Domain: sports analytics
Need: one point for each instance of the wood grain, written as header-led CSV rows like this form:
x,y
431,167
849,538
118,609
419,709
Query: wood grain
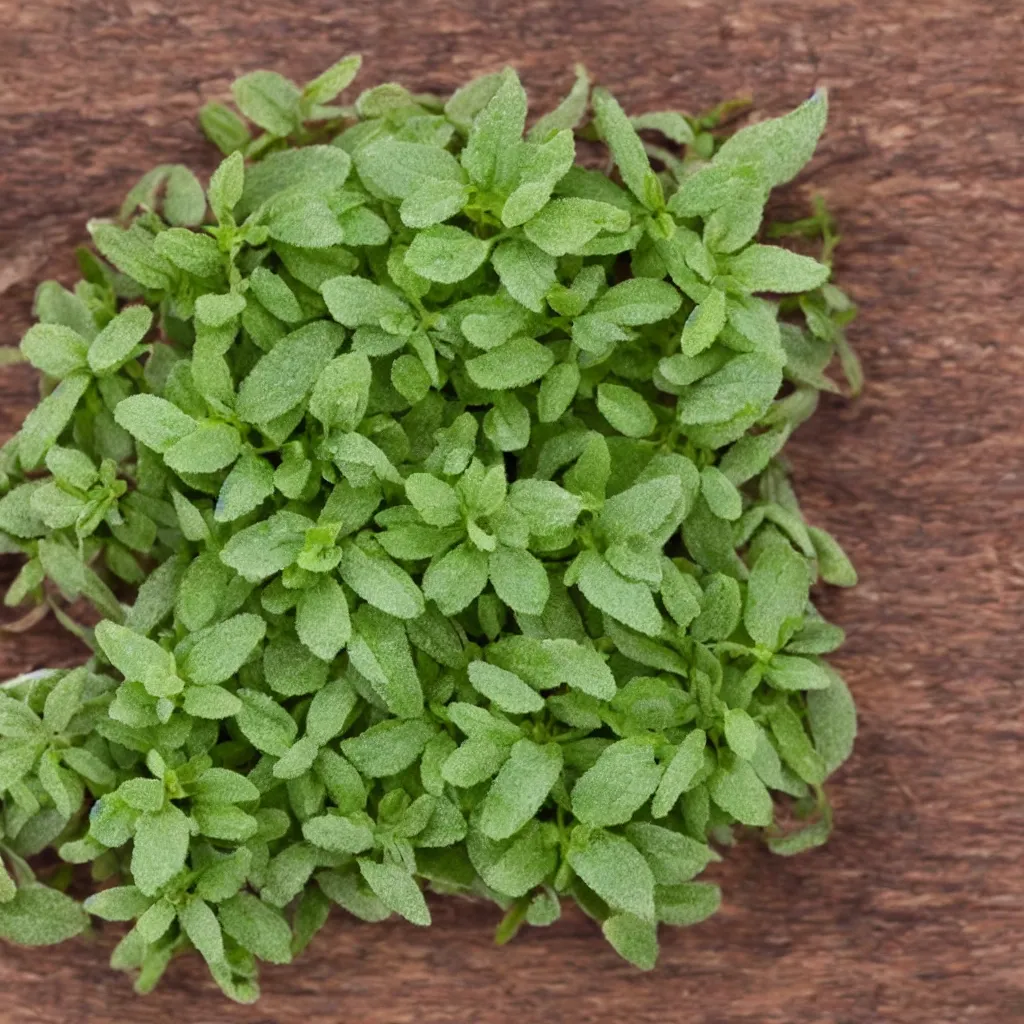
x,y
915,910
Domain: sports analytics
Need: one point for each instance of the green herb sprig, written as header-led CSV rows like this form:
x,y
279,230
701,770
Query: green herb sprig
x,y
427,485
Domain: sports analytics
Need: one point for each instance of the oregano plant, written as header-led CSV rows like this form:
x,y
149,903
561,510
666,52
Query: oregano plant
x,y
418,488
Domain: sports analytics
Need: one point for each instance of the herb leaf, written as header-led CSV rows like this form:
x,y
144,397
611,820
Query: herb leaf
x,y
430,491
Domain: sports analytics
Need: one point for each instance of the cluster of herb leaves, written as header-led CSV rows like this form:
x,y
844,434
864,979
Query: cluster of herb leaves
x,y
428,486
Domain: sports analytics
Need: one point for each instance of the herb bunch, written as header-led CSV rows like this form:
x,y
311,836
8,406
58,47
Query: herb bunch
x,y
427,485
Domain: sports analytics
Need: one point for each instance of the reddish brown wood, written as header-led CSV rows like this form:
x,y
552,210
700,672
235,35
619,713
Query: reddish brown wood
x,y
915,910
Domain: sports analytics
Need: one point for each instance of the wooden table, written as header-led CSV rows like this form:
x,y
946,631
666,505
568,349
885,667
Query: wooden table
x,y
915,910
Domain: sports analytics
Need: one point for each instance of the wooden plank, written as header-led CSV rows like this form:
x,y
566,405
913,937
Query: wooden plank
x,y
914,910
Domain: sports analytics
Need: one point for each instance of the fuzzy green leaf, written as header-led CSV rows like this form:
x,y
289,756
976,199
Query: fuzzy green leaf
x,y
615,870
520,789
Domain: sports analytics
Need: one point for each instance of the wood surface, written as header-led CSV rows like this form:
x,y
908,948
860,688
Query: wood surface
x,y
914,912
